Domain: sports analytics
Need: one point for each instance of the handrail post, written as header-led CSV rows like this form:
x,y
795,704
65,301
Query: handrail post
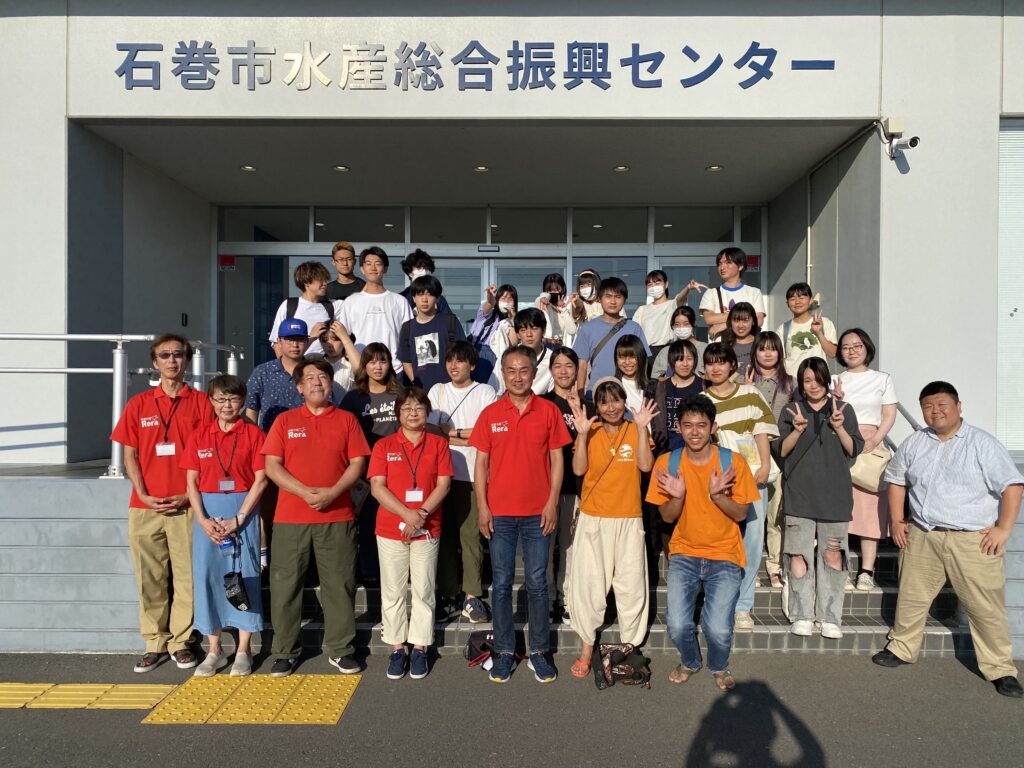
x,y
199,370
232,364
119,398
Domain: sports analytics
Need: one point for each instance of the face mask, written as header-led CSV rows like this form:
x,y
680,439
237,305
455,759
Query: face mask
x,y
683,333
505,306
418,273
656,291
587,292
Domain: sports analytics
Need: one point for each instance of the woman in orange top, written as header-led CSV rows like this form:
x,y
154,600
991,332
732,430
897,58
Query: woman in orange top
x,y
608,546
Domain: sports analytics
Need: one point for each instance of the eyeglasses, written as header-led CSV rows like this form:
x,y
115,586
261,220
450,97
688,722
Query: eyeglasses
x,y
176,354
851,347
412,409
234,400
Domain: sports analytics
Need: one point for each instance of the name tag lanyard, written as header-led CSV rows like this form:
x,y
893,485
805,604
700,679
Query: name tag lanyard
x,y
165,448
415,494
228,483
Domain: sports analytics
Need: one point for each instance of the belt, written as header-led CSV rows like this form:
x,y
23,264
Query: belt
x,y
942,529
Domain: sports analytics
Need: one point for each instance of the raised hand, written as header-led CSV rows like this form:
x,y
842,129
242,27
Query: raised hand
x,y
693,285
816,325
837,388
339,330
721,483
317,329
748,375
491,294
579,417
643,417
673,485
837,419
799,420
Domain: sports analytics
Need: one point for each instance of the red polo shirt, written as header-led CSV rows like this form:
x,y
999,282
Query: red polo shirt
x,y
394,458
519,476
211,451
152,417
316,450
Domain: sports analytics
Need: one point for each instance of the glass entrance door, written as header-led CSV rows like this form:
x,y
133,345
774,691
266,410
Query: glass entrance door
x,y
681,270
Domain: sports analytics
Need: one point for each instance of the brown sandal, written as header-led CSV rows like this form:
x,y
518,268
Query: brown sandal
x,y
580,668
681,674
724,680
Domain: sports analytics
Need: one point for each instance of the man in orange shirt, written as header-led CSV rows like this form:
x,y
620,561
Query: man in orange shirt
x,y
154,429
706,548
314,454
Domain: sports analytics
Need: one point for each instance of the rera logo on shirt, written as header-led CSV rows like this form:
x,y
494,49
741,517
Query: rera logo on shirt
x,y
394,456
149,421
499,426
204,453
296,432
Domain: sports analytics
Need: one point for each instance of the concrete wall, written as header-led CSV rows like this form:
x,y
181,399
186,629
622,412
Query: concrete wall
x,y
787,246
33,272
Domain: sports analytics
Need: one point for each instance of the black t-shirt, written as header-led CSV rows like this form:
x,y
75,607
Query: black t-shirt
x,y
375,413
570,482
336,290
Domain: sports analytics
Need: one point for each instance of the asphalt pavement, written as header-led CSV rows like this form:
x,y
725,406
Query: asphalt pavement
x,y
787,710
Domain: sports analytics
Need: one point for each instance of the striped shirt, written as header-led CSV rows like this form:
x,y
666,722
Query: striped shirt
x,y
956,483
741,416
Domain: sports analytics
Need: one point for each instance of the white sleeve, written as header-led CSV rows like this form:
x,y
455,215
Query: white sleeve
x,y
889,391
709,301
278,319
830,330
434,396
758,302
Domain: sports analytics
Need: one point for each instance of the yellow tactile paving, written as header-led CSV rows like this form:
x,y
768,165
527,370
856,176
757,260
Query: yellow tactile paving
x,y
133,697
17,695
69,696
320,700
195,702
258,700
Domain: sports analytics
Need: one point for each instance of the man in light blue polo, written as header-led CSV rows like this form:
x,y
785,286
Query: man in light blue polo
x,y
965,494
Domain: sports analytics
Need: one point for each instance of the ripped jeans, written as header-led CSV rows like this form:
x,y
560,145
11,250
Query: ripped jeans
x,y
819,593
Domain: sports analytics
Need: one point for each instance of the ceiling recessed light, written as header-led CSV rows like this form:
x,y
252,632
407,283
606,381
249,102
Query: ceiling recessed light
x,y
598,226
389,226
494,226
667,226
248,168
320,224
620,168
341,168
713,168
481,168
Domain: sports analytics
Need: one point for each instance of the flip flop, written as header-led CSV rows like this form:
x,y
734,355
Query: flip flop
x,y
681,674
724,680
580,668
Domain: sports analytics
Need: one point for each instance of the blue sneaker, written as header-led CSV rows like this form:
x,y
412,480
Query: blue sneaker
x,y
475,611
418,667
543,670
397,662
504,663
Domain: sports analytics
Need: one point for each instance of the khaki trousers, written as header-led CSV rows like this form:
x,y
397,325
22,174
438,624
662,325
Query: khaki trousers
x,y
773,527
608,553
977,579
161,545
401,564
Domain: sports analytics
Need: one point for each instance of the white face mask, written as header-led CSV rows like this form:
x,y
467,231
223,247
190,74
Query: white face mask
x,y
656,291
506,306
587,292
683,333
418,273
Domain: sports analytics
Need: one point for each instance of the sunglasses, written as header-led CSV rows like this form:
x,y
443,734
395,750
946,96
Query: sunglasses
x,y
177,355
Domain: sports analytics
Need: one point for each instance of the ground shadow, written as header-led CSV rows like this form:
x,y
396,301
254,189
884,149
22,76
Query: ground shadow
x,y
745,724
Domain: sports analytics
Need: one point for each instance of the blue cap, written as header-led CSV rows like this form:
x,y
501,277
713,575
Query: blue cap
x,y
292,327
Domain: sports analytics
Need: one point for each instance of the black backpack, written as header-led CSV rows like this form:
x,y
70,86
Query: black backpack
x,y
292,306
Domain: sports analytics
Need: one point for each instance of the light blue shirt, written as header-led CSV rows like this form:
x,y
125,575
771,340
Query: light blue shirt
x,y
957,483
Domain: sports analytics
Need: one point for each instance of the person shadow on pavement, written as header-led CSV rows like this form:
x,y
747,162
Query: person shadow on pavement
x,y
750,726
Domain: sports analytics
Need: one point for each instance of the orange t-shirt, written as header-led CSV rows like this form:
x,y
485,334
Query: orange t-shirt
x,y
703,530
611,487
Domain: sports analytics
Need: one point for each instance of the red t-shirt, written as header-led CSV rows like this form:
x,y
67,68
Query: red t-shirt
x,y
394,458
519,476
210,451
316,450
152,417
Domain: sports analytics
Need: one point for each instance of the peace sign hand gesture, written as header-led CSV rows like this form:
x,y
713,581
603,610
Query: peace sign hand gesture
x,y
816,324
748,374
643,417
799,420
837,419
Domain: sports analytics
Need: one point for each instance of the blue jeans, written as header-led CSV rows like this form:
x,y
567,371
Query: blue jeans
x,y
507,532
721,582
753,543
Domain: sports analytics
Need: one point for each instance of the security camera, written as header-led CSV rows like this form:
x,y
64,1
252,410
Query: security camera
x,y
901,144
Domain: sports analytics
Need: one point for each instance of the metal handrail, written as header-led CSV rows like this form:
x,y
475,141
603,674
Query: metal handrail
x,y
121,374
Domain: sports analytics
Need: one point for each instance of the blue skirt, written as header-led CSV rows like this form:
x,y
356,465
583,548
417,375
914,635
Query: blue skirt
x,y
209,564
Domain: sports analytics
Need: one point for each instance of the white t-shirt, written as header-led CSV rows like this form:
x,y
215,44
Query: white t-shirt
x,y
732,297
311,312
461,407
656,320
374,317
343,376
634,397
542,382
802,343
867,392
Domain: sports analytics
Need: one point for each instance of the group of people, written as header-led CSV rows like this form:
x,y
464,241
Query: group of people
x,y
388,445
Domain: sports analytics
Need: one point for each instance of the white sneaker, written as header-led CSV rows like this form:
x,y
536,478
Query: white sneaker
x,y
803,628
743,620
865,582
211,664
242,665
849,586
831,631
